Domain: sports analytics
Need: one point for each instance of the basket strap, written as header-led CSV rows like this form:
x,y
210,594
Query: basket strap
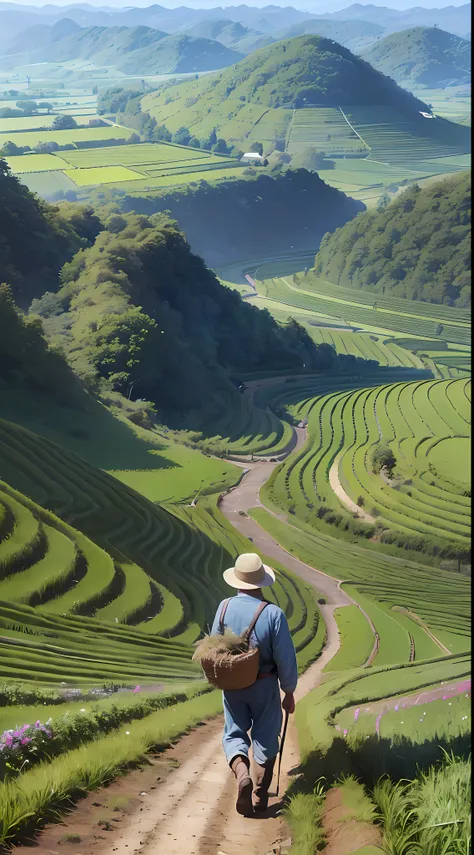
x,y
220,628
248,632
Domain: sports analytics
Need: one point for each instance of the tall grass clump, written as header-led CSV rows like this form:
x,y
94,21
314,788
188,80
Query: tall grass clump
x,y
304,815
430,815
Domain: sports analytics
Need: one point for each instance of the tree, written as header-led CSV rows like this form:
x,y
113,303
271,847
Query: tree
x,y
64,123
221,147
161,133
181,136
210,141
27,106
10,149
383,202
45,105
383,458
133,139
194,142
257,147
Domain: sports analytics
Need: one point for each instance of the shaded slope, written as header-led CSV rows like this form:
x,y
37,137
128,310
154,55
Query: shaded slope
x,y
132,50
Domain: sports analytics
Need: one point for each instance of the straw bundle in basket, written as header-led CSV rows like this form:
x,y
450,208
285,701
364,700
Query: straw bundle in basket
x,y
227,660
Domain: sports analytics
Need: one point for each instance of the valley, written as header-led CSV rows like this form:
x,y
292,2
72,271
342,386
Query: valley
x,y
204,354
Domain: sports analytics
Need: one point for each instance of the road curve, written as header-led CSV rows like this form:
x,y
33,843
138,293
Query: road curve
x,y
235,504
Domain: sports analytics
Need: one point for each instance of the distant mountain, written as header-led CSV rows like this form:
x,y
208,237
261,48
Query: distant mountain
x,y
133,50
43,34
455,19
425,56
232,34
353,34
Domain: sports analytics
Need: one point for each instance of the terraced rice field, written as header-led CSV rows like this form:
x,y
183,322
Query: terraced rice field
x,y
367,310
413,418
324,129
119,559
394,139
365,346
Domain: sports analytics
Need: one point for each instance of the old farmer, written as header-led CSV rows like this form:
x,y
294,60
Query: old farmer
x,y
257,709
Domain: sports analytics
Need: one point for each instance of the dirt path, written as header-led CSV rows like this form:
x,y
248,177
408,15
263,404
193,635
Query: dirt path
x,y
341,494
191,811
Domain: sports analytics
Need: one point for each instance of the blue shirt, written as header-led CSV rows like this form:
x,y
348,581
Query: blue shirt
x,y
271,634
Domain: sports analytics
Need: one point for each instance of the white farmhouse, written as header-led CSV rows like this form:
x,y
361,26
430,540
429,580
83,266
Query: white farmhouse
x,y
251,155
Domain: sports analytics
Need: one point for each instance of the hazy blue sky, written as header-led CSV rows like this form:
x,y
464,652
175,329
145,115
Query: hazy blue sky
x,y
314,6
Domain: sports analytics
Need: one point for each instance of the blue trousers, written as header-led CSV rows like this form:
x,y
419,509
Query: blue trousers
x,y
257,710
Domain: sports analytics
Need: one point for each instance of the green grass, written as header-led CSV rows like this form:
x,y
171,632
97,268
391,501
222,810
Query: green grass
x,y
76,135
101,175
25,163
356,636
435,720
182,479
316,712
38,795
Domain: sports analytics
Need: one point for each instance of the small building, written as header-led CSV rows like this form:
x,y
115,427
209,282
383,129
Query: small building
x,y
251,155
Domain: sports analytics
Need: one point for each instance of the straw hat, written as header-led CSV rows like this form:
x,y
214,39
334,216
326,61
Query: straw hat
x,y
249,573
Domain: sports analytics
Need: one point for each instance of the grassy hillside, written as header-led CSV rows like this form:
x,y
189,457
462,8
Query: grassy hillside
x,y
416,247
423,56
132,50
293,73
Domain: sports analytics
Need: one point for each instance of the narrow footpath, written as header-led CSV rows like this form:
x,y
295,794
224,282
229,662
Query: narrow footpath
x,y
193,810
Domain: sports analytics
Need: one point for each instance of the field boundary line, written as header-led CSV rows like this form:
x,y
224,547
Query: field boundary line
x,y
290,128
353,128
417,619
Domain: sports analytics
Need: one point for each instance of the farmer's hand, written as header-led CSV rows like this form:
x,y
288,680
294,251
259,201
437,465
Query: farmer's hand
x,y
288,703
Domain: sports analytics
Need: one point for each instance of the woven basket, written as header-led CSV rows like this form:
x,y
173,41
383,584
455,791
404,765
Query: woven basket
x,y
233,672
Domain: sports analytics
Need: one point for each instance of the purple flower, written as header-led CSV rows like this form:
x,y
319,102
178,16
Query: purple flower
x,y
377,724
356,713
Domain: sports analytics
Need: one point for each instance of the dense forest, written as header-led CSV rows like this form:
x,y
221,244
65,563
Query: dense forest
x,y
36,239
249,218
418,246
131,307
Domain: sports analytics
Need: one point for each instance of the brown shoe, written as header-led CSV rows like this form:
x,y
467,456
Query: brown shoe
x,y
241,768
263,779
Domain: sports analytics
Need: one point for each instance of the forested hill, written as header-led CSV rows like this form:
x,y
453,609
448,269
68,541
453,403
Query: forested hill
x,y
36,239
424,56
418,247
133,308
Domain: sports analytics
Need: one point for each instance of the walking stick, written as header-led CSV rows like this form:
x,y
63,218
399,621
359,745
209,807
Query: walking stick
x,y
282,743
